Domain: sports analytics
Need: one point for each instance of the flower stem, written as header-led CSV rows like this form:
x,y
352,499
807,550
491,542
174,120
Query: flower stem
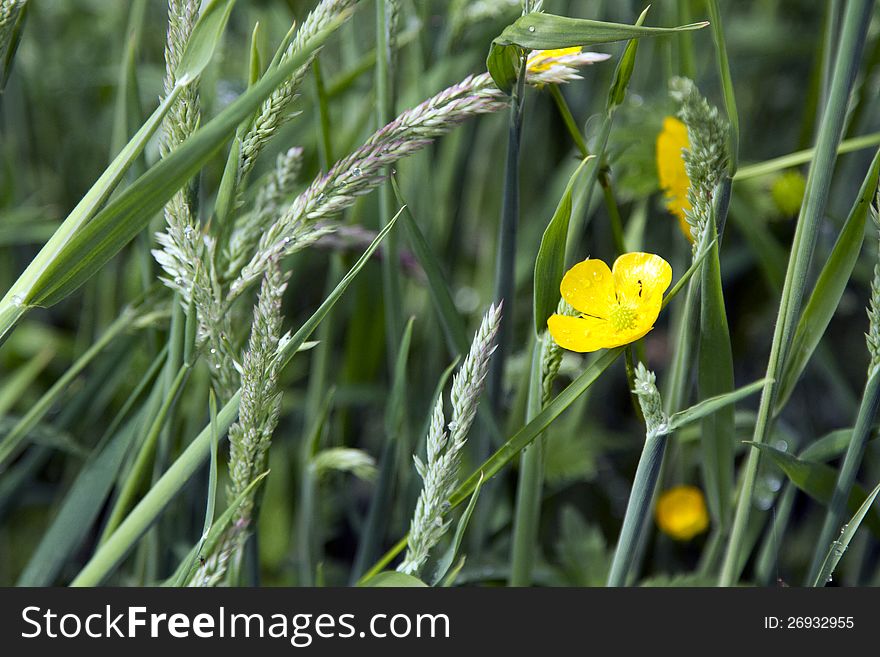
x,y
637,508
529,485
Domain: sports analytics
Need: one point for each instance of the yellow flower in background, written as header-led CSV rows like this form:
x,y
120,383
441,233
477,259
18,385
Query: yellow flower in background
x,y
674,182
788,192
617,306
543,60
681,512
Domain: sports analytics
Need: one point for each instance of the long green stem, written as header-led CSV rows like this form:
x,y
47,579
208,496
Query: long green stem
x,y
505,260
530,484
144,459
802,157
726,82
637,508
852,42
390,250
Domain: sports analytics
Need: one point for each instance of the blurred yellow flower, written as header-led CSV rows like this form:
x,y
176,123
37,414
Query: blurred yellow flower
x,y
617,306
681,512
674,182
788,192
543,60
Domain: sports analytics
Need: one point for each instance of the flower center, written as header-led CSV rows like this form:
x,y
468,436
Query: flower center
x,y
623,318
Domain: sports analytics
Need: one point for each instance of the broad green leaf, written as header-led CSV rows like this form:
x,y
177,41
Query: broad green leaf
x,y
818,480
839,546
829,288
445,562
709,406
829,446
550,262
503,64
541,31
392,579
204,39
715,377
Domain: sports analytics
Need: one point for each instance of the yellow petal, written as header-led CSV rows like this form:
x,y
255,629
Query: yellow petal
x,y
580,334
589,288
671,172
640,279
681,512
542,60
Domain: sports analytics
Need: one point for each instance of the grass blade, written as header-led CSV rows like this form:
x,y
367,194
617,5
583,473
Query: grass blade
x,y
829,288
172,481
839,545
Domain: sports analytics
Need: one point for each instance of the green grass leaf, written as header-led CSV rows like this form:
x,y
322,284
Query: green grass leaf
x,y
839,545
77,252
550,262
542,31
715,377
712,405
445,562
204,39
830,286
818,481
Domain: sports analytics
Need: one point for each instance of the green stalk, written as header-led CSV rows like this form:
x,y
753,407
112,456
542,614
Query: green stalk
x,y
852,41
505,261
391,286
506,254
802,157
144,460
637,508
613,212
726,83
687,58
680,371
837,508
568,119
530,484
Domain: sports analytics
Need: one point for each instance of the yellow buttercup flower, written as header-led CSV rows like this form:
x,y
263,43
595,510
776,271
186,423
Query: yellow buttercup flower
x,y
543,60
674,181
788,192
681,512
617,306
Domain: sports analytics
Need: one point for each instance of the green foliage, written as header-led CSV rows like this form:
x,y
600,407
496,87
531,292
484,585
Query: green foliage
x,y
119,384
